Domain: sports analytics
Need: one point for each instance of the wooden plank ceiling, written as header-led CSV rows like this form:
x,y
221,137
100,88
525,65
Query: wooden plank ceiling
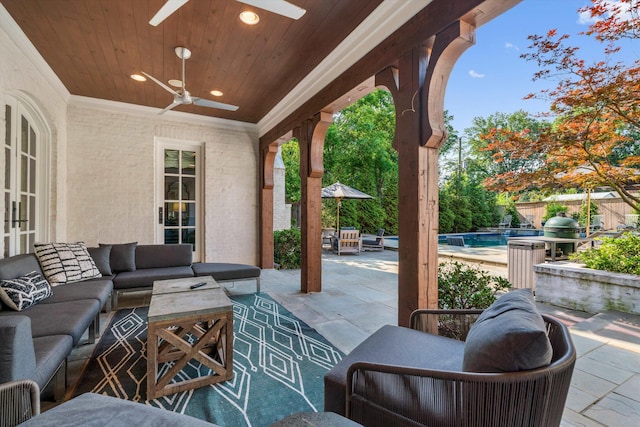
x,y
94,46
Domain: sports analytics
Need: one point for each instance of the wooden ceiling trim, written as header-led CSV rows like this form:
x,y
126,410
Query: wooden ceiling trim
x,y
433,18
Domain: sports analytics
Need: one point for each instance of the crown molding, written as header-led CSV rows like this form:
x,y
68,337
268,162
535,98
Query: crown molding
x,y
152,113
387,18
23,44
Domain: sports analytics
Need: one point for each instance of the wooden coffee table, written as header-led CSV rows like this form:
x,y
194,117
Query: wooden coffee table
x,y
178,314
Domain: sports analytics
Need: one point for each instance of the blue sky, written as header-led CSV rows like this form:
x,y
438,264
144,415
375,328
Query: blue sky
x,y
491,77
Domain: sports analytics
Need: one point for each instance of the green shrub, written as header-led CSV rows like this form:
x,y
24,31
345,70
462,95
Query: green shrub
x,y
287,248
462,286
553,209
618,255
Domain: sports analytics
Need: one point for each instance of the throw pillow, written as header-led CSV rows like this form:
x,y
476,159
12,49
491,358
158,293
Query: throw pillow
x,y
101,256
123,256
65,262
509,336
23,292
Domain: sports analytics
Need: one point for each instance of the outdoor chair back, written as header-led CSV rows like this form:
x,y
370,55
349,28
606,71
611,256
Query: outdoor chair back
x,y
506,221
348,241
376,244
380,394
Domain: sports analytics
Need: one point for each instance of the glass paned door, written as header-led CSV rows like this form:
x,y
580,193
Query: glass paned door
x,y
178,212
21,182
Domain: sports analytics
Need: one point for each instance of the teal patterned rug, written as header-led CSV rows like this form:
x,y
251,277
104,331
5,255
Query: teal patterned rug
x,y
279,364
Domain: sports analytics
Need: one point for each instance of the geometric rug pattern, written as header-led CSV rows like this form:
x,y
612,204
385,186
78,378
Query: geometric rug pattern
x,y
279,364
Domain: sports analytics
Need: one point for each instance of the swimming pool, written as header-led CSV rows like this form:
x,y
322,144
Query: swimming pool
x,y
482,239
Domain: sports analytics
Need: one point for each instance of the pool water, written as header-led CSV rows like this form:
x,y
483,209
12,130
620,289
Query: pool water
x,y
482,239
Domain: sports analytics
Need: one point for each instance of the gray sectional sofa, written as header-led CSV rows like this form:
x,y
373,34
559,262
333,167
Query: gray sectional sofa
x,y
35,342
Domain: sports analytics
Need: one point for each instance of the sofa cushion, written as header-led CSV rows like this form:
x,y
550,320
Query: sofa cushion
x,y
63,318
18,265
122,257
509,336
23,292
98,289
392,345
101,256
156,256
146,277
225,271
94,410
50,351
65,262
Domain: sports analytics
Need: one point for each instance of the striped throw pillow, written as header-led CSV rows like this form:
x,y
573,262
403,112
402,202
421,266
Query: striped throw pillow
x,y
65,262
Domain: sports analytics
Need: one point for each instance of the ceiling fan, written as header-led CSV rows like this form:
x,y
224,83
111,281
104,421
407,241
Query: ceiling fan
x,y
281,7
182,96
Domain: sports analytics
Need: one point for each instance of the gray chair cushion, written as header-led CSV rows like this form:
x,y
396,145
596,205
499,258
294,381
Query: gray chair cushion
x,y
101,257
225,271
94,410
145,277
62,318
509,336
157,256
17,356
50,352
122,257
392,345
98,289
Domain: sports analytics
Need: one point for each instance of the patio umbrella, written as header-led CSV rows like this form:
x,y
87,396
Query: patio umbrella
x,y
340,191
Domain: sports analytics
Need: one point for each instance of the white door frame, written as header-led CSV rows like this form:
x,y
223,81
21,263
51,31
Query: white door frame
x,y
23,106
162,144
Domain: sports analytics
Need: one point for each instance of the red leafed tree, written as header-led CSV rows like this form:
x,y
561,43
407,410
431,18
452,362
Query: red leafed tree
x,y
594,138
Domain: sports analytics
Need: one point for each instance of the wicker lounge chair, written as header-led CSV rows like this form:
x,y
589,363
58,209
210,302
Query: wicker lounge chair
x,y
406,377
506,221
376,244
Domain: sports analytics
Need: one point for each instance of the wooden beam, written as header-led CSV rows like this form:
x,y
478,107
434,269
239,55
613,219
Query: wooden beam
x,y
268,155
433,19
310,135
417,86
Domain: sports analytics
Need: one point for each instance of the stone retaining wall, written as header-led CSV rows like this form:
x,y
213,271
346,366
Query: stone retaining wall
x,y
576,287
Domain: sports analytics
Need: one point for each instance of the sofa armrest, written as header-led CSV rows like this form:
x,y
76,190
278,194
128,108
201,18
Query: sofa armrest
x,y
17,354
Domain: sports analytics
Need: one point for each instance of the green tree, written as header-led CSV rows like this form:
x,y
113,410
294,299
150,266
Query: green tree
x,y
358,152
291,159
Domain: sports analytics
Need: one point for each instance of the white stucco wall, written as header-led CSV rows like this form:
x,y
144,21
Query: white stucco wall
x,y
112,180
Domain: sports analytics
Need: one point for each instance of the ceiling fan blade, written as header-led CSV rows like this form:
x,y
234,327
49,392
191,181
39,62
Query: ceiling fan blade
x,y
281,7
213,104
164,86
165,11
170,107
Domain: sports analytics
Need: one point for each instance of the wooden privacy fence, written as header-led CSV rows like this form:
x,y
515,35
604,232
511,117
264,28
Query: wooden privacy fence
x,y
614,211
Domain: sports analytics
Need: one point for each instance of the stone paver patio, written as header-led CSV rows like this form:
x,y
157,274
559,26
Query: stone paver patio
x,y
360,295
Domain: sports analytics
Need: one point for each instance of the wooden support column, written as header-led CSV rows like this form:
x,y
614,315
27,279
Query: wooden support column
x,y
417,86
310,135
267,159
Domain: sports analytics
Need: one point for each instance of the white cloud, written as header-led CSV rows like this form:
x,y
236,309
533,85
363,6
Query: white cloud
x,y
476,75
585,18
512,46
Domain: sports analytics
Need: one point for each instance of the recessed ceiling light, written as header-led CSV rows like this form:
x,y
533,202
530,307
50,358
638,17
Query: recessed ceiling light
x,y
138,77
175,83
216,93
249,17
